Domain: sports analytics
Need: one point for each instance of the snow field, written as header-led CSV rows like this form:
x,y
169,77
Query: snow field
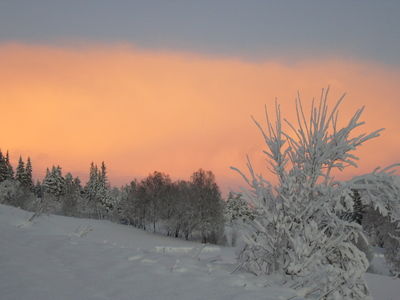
x,y
56,257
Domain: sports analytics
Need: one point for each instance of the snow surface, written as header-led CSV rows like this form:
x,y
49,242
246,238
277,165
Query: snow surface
x,y
56,257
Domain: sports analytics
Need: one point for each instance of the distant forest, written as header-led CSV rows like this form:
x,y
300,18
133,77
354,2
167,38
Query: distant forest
x,y
192,209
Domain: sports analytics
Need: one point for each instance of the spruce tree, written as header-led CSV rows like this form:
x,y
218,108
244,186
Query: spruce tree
x,y
54,183
71,196
3,168
38,189
10,170
20,174
92,184
28,174
97,190
103,174
358,207
104,188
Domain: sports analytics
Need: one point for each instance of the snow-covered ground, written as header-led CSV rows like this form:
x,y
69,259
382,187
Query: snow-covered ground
x,y
57,257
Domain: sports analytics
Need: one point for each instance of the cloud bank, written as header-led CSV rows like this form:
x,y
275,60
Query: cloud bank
x,y
141,111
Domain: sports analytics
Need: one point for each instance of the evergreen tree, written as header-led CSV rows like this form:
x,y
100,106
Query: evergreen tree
x,y
77,183
71,195
91,185
103,191
97,190
54,183
20,174
10,170
237,209
23,173
38,189
3,168
28,174
128,208
358,207
103,174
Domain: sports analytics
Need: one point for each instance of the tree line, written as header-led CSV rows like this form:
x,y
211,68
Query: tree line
x,y
190,209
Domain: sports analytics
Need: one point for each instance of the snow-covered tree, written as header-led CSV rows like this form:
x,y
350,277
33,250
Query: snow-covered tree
x,y
104,190
237,209
11,193
3,168
209,205
23,173
92,184
71,195
20,173
187,215
127,208
28,174
152,191
97,192
10,170
299,231
54,188
179,212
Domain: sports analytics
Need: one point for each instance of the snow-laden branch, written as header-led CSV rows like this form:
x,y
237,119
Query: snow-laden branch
x,y
299,229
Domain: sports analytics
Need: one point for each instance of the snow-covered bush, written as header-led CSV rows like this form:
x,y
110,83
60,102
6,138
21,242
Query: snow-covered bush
x,y
299,230
236,212
11,193
237,209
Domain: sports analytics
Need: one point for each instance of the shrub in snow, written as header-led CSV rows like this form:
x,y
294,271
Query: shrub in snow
x,y
237,211
300,230
11,193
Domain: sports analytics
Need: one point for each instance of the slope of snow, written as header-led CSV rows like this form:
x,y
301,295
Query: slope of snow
x,y
56,257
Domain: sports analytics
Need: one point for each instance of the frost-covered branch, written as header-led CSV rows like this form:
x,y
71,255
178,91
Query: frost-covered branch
x,y
299,229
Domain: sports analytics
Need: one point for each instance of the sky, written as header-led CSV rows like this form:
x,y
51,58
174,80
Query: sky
x,y
171,85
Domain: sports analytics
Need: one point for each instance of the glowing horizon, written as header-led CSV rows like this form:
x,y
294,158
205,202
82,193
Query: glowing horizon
x,y
142,111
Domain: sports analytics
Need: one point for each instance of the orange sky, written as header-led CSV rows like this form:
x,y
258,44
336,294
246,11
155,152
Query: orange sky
x,y
141,111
